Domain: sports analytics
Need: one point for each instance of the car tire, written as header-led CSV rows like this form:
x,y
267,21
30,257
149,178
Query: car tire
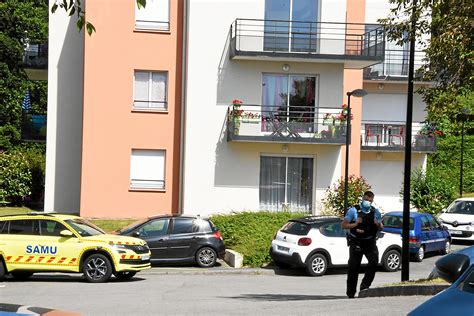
x,y
420,254
21,275
206,257
317,265
125,275
2,270
97,268
391,261
447,248
282,265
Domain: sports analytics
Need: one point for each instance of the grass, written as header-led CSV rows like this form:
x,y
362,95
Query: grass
x,y
14,210
109,225
419,282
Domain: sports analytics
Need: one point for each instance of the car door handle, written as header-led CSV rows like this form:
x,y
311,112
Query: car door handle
x,y
163,239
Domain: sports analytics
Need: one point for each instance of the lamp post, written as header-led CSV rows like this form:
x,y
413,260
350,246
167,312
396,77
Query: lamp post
x,y
359,93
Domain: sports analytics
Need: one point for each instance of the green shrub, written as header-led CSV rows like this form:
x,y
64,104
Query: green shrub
x,y
430,191
251,233
15,178
334,200
36,156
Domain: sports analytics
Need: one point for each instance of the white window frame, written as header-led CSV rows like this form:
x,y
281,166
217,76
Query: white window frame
x,y
153,25
147,183
149,107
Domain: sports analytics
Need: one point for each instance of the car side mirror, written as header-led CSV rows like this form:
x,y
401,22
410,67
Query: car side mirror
x,y
66,233
443,210
136,234
450,267
445,227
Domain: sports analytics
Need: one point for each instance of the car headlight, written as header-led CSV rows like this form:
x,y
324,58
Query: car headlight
x,y
119,248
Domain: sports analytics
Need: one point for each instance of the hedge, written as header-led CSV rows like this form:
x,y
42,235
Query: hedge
x,y
251,233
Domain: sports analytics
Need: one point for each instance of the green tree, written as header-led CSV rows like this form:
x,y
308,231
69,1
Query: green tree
x,y
20,21
334,200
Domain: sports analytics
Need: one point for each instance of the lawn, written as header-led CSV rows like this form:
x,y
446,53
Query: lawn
x,y
14,210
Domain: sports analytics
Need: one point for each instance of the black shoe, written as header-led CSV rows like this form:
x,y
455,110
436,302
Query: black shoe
x,y
350,295
363,288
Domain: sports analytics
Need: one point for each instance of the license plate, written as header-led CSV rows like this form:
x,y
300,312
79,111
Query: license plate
x,y
147,257
455,232
281,248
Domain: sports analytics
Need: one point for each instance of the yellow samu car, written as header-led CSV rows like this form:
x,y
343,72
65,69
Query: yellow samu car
x,y
42,242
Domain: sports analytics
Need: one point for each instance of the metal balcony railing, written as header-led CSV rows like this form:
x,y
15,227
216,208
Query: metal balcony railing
x,y
395,66
390,136
308,40
36,56
285,124
33,127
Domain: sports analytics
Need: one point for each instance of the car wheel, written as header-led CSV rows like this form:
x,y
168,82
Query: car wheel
x,y
97,268
420,254
447,248
125,275
21,275
206,257
317,265
391,261
2,270
282,265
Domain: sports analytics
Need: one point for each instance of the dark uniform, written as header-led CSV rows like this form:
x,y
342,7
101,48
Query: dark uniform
x,y
362,243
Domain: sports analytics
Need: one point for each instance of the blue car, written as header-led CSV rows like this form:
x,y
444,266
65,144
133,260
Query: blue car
x,y
458,299
426,233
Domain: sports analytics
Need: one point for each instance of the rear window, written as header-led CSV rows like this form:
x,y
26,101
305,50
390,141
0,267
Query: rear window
x,y
296,228
395,222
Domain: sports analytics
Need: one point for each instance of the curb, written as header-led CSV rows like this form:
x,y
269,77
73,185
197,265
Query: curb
x,y
204,271
404,290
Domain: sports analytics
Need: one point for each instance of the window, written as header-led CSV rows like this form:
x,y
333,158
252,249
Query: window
x,y
183,226
333,230
150,90
434,223
4,227
51,228
84,228
286,183
24,227
147,169
395,222
296,228
155,16
154,228
468,284
425,223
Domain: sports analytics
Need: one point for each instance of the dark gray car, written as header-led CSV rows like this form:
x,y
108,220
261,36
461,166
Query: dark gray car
x,y
179,239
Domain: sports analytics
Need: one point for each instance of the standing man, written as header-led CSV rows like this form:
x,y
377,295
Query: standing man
x,y
363,221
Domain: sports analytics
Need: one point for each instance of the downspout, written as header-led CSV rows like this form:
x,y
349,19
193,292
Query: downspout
x,y
183,107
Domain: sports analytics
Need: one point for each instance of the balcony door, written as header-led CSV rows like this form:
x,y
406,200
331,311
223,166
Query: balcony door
x,y
286,183
298,109
291,25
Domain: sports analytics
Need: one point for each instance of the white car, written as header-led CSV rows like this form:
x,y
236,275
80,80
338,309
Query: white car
x,y
459,218
319,242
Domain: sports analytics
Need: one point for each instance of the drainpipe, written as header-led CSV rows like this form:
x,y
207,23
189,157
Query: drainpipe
x,y
183,107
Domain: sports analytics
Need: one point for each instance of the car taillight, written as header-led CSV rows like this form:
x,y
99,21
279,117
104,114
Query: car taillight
x,y
413,239
217,235
305,241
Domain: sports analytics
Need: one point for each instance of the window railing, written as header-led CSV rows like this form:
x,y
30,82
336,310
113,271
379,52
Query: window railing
x,y
390,136
307,39
293,123
395,66
36,56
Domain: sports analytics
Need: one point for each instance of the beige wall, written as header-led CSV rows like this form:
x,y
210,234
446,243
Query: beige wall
x,y
111,130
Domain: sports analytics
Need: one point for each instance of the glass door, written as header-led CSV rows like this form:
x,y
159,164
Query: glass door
x,y
291,25
286,182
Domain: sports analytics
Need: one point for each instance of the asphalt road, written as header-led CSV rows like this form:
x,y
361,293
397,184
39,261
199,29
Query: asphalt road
x,y
224,291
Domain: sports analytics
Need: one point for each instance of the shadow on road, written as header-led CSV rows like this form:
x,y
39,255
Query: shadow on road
x,y
287,297
65,279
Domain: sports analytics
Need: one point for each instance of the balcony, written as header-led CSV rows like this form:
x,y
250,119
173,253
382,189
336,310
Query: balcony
x,y
33,127
390,137
395,66
285,124
35,61
275,40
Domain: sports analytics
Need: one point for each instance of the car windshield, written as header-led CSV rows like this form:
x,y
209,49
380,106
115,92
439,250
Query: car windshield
x,y
395,222
129,228
84,228
296,228
461,207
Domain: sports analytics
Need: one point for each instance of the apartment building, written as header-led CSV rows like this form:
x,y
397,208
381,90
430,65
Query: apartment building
x,y
202,107
113,146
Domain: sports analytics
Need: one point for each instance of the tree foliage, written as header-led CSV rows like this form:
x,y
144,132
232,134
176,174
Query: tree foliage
x,y
15,178
448,26
21,21
334,200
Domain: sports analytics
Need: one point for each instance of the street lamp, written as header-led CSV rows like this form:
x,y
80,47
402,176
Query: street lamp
x,y
358,93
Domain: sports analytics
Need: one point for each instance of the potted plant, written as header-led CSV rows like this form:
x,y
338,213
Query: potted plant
x,y
235,115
